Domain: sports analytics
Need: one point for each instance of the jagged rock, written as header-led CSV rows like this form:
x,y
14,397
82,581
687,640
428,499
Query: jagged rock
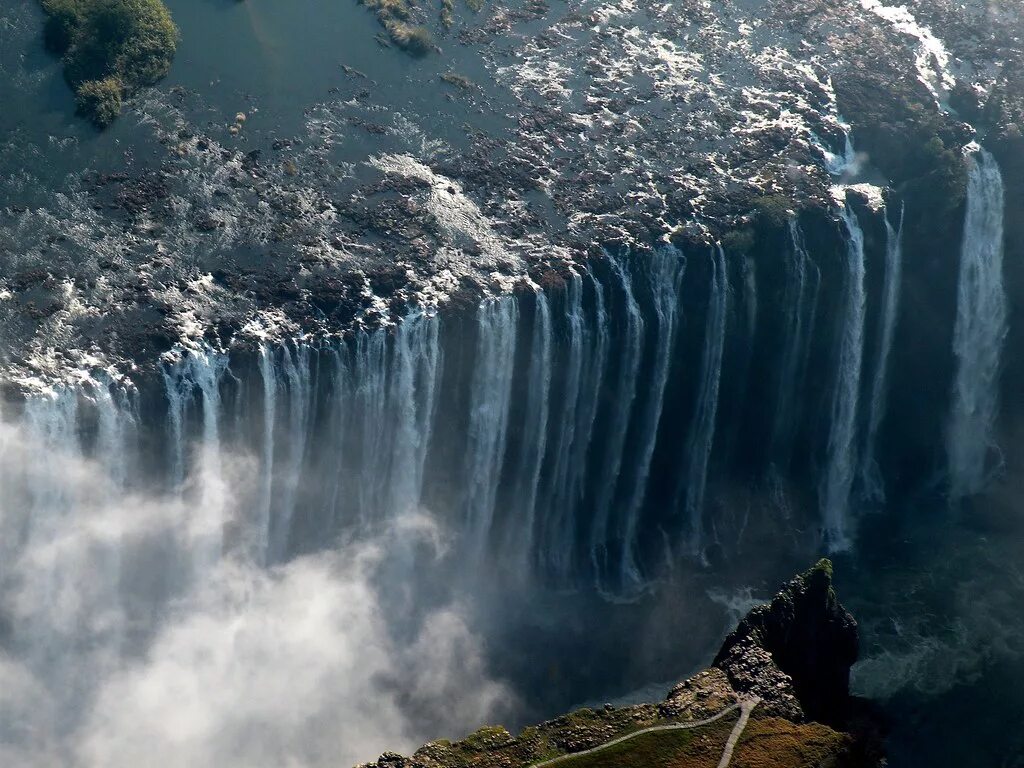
x,y
796,652
699,697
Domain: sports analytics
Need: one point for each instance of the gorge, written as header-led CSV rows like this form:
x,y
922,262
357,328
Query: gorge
x,y
396,407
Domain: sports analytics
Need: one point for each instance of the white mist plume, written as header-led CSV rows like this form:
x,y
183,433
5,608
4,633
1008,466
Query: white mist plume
x,y
115,652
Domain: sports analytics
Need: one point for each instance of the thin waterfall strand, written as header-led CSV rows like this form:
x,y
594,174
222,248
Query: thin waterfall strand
x,y
702,427
842,438
629,365
664,273
873,487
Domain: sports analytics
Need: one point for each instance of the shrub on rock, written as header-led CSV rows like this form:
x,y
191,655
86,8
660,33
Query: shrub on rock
x,y
110,49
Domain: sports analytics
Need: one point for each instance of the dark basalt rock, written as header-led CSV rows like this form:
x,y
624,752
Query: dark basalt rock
x,y
796,651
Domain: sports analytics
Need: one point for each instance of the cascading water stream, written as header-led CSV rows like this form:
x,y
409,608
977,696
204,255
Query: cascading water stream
x,y
981,328
664,270
872,484
268,374
295,365
199,370
414,371
534,435
491,396
842,438
558,501
369,368
615,438
589,344
702,427
803,280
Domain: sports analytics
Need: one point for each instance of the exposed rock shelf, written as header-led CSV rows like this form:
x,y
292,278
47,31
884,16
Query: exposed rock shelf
x,y
605,125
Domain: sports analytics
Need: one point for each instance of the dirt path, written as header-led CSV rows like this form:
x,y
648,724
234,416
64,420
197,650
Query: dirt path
x,y
745,706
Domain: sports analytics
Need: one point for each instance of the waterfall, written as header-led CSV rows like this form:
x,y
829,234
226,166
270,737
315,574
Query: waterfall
x,y
115,422
199,371
533,442
702,427
839,165
664,271
801,300
555,534
338,425
52,442
589,346
268,374
981,327
749,274
369,412
490,400
414,371
872,483
842,438
68,598
615,438
295,366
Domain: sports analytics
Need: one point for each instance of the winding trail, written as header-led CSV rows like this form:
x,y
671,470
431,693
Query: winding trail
x,y
746,706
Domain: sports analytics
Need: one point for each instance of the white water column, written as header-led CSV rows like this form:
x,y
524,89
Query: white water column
x,y
981,327
842,438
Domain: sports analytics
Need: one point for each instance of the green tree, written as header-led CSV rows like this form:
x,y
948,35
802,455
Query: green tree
x,y
110,49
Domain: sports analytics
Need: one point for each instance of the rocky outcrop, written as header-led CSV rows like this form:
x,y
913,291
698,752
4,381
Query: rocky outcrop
x,y
796,651
791,656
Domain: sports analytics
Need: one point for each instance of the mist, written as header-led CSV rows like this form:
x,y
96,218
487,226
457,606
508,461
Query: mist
x,y
119,643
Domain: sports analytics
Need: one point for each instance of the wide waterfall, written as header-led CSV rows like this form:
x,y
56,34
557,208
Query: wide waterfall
x,y
842,439
587,339
574,435
489,413
981,327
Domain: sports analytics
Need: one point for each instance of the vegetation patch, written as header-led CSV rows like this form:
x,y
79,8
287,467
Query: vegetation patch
x,y
459,81
773,211
697,748
739,241
776,743
402,20
396,16
110,49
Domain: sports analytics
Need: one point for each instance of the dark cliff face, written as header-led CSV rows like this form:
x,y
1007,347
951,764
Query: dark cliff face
x,y
804,634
